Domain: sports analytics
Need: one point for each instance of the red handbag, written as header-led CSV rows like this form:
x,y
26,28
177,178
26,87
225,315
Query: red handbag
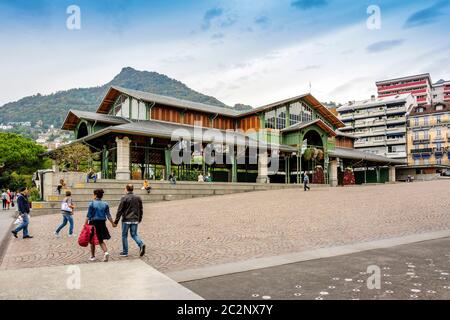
x,y
87,236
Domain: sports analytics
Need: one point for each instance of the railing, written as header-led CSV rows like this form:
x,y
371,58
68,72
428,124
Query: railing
x,y
409,84
394,110
399,119
421,151
396,141
421,141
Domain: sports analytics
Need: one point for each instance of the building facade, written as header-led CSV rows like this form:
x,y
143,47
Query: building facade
x,y
378,124
418,85
441,91
428,139
140,135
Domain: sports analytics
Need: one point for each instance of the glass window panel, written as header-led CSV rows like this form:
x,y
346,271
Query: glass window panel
x,y
270,119
126,107
281,118
294,113
142,111
134,109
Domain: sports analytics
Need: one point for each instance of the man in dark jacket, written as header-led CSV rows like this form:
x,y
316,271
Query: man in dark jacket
x,y
131,211
24,210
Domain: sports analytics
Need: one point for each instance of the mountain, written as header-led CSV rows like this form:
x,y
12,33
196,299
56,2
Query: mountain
x,y
52,109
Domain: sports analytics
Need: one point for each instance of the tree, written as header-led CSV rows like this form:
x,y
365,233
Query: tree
x,y
74,155
19,158
19,154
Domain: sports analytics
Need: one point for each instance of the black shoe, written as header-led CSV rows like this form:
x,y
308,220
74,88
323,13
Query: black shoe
x,y
28,237
14,233
142,250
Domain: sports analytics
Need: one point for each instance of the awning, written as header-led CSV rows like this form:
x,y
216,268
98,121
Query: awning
x,y
368,158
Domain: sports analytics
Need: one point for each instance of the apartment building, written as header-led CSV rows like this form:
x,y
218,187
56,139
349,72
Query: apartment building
x,y
441,91
428,139
419,86
379,124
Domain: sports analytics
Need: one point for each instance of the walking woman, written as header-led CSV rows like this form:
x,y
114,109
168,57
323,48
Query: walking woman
x,y
67,212
98,213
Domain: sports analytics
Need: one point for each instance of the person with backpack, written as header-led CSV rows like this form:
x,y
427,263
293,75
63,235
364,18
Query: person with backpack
x,y
131,211
23,205
67,208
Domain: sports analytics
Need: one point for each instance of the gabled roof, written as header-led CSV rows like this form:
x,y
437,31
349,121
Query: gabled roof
x,y
115,91
318,122
74,116
309,98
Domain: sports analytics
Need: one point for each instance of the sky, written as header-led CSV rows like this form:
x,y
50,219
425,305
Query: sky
x,y
239,51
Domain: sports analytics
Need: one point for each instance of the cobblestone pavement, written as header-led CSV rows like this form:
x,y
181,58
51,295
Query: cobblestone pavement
x,y
418,271
208,231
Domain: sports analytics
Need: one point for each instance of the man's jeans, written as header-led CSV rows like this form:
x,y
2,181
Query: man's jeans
x,y
89,178
133,231
24,225
66,218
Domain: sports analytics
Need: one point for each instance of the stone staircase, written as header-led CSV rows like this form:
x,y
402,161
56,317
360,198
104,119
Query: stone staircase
x,y
82,193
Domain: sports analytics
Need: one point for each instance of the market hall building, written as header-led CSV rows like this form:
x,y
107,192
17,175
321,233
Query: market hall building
x,y
133,132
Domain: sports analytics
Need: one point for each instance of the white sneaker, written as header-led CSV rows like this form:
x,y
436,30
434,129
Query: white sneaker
x,y
70,235
106,257
92,258
57,235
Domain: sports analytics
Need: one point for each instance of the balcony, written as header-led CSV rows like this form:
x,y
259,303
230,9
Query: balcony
x,y
439,152
395,110
395,141
401,85
422,151
375,113
421,141
346,116
439,139
400,154
396,130
396,120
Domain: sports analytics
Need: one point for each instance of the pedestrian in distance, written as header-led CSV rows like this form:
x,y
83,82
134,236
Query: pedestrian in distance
x,y
60,186
130,211
98,213
24,213
67,208
4,197
306,182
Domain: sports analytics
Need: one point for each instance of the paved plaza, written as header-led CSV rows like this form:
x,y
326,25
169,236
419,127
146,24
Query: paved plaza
x,y
201,232
418,271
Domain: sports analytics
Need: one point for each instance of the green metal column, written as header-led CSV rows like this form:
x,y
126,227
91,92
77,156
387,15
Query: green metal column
x,y
168,163
288,170
105,163
234,167
378,174
365,174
